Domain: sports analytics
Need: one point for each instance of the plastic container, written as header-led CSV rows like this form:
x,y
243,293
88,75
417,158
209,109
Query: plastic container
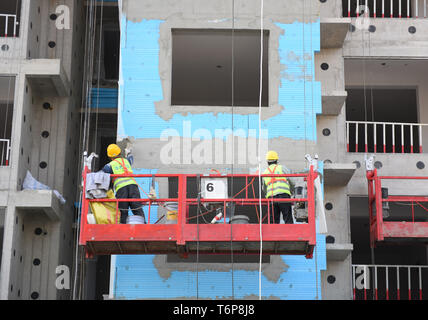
x,y
239,219
171,214
135,220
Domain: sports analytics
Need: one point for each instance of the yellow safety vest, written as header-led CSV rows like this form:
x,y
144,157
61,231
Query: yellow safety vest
x,y
275,186
121,166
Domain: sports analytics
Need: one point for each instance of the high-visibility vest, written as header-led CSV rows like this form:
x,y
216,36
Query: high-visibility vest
x,y
121,166
275,186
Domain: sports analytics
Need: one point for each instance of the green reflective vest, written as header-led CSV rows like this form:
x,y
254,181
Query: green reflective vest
x,y
275,186
121,166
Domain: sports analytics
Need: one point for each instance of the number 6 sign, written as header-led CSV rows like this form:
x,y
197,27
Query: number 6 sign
x,y
214,188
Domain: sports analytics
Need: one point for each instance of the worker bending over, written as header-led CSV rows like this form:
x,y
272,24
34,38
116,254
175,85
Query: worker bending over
x,y
278,188
124,188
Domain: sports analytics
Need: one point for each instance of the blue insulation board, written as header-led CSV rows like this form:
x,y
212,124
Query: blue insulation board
x,y
140,88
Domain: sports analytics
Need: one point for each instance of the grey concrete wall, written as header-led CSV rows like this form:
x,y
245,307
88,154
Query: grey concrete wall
x,y
20,276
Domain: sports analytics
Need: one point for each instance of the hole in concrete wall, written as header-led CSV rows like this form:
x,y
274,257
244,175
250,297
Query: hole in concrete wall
x,y
47,106
357,163
412,29
36,262
420,165
331,279
378,164
196,77
372,28
326,132
43,164
330,239
38,231
327,161
53,16
324,66
51,44
323,1
45,134
34,295
5,47
329,206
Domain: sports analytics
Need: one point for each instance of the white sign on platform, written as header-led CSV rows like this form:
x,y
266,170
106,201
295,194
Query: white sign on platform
x,y
214,188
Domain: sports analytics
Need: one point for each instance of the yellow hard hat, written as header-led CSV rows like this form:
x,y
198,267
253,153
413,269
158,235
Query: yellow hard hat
x,y
271,155
113,150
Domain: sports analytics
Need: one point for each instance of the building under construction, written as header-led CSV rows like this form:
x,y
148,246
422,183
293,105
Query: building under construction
x,y
200,91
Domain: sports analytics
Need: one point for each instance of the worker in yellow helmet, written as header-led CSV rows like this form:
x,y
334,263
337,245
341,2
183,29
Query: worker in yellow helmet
x,y
275,188
126,187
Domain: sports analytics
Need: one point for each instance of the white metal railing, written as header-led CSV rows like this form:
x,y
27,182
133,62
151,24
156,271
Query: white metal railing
x,y
382,137
4,152
389,282
387,8
6,18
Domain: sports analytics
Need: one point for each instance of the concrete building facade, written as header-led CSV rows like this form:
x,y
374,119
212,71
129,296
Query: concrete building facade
x,y
179,81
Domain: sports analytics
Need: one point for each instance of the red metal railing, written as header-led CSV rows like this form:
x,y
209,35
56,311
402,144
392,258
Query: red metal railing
x,y
177,236
380,229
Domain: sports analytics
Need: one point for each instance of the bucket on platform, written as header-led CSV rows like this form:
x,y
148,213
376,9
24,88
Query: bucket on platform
x,y
171,214
135,220
239,219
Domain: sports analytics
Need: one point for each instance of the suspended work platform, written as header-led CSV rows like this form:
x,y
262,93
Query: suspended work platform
x,y
379,200
193,231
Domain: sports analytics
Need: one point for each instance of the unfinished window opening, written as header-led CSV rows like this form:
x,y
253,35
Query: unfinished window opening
x,y
383,120
383,9
202,67
106,54
10,12
7,92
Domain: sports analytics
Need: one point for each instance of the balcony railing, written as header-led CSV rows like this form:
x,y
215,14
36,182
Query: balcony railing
x,y
384,137
9,23
385,8
4,152
389,282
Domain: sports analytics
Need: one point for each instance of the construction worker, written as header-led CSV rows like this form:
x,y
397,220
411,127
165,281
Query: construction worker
x,y
278,188
124,188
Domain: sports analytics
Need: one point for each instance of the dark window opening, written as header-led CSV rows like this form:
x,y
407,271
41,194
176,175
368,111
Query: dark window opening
x,y
388,11
202,67
10,12
388,115
111,54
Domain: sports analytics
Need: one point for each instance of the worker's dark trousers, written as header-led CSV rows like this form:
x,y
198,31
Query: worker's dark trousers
x,y
281,207
129,192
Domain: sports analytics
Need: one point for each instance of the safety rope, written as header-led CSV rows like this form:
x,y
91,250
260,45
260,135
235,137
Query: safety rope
x,y
232,208
259,146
